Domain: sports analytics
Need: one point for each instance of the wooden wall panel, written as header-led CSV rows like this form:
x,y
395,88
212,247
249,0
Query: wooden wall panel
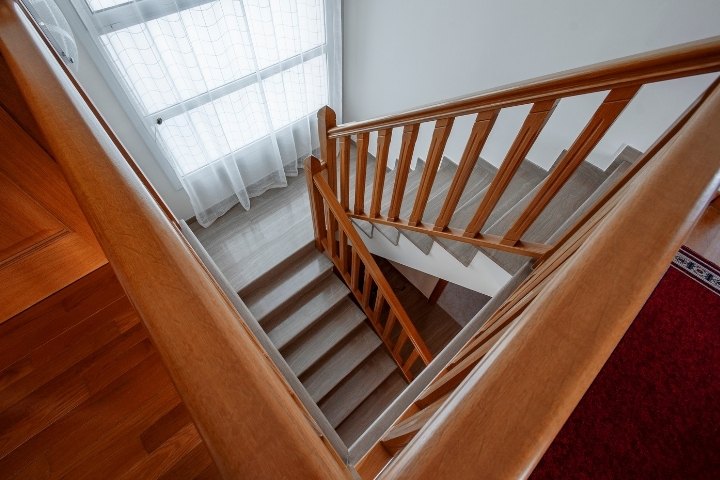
x,y
45,241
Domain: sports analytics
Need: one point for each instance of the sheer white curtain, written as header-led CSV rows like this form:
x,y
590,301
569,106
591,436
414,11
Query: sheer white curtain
x,y
227,88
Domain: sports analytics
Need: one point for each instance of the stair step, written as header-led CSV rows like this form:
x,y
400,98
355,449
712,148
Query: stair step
x,y
305,311
614,173
320,339
413,181
526,178
284,283
480,177
579,187
357,386
371,408
337,365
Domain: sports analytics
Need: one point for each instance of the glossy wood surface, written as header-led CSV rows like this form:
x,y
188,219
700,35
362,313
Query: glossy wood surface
x,y
45,241
660,207
84,394
236,396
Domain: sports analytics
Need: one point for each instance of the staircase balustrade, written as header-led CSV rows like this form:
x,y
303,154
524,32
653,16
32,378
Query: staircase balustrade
x,y
355,264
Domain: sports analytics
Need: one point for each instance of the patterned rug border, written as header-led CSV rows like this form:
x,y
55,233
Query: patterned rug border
x,y
698,268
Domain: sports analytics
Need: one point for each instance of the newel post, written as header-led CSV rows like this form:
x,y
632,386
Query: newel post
x,y
317,209
328,151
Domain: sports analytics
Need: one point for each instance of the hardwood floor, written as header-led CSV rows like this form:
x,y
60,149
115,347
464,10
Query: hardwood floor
x,y
84,394
705,237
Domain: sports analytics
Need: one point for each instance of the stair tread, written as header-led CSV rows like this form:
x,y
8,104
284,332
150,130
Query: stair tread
x,y
411,187
371,408
290,278
303,313
579,187
357,386
480,177
331,371
527,177
320,339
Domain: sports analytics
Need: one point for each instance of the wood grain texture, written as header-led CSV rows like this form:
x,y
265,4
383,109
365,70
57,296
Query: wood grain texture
x,y
90,398
604,117
361,172
484,123
328,146
441,133
693,58
409,137
660,207
177,298
705,237
537,118
385,292
45,241
383,147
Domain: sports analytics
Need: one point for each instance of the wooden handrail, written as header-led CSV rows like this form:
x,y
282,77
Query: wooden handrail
x,y
548,358
623,77
244,410
355,262
693,58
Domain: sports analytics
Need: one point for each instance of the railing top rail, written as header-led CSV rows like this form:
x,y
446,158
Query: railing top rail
x,y
688,59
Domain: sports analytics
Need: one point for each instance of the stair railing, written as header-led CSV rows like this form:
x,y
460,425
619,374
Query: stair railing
x,y
336,236
623,79
646,208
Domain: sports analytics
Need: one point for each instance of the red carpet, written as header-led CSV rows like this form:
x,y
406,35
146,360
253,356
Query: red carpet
x,y
653,412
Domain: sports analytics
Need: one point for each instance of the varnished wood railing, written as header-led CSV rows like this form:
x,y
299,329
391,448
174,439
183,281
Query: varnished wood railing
x,y
248,416
354,262
512,386
622,78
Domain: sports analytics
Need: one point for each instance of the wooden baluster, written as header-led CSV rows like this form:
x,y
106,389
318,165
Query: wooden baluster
x,y
327,120
331,230
361,171
345,172
379,304
484,123
534,123
410,362
367,289
604,117
383,146
317,208
437,147
410,134
401,341
387,331
343,253
355,272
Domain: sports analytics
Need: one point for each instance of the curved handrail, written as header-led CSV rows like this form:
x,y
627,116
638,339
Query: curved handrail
x,y
243,408
350,270
683,60
566,333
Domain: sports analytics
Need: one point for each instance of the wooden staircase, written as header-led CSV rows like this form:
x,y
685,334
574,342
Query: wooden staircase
x,y
496,404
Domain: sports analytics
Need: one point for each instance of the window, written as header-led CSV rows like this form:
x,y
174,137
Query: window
x,y
208,78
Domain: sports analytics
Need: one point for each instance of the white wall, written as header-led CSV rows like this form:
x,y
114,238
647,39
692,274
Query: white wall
x,y
404,54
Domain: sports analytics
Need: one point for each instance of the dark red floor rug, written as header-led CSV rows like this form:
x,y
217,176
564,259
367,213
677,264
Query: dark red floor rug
x,y
653,412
